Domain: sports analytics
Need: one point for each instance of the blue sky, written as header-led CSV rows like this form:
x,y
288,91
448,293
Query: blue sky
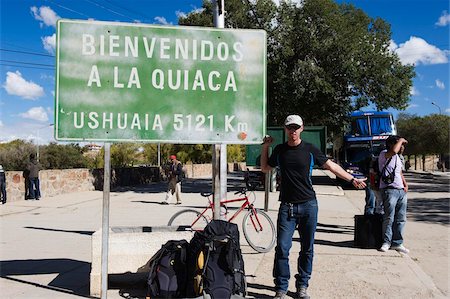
x,y
420,35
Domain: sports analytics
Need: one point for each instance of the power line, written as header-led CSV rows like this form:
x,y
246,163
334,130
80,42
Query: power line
x,y
26,52
28,67
26,63
69,9
129,10
110,10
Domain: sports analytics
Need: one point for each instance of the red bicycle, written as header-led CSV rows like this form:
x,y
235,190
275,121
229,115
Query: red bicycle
x,y
258,228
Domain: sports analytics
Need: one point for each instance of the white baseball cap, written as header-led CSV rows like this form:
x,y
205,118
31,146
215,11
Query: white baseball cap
x,y
293,120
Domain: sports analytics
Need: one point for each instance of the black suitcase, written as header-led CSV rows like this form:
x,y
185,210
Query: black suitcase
x,y
368,231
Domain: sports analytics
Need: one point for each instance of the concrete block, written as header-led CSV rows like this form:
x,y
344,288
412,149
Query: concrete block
x,y
129,250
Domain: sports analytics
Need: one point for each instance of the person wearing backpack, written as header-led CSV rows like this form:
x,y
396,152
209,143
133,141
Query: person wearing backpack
x,y
175,175
393,189
298,208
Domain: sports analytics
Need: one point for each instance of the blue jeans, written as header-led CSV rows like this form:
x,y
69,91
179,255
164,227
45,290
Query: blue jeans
x,y
35,191
394,219
369,208
304,219
3,191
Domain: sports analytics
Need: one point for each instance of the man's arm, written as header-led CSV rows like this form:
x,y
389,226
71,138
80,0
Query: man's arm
x,y
340,172
405,185
265,167
396,148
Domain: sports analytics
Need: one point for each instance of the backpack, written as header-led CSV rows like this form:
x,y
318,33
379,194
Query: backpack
x,y
219,266
168,273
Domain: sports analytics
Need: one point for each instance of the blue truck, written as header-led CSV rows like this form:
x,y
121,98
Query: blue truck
x,y
364,139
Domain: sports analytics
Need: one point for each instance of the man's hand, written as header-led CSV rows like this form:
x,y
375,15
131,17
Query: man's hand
x,y
268,140
359,183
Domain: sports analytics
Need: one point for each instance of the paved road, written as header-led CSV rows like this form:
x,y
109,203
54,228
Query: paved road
x,y
45,245
428,224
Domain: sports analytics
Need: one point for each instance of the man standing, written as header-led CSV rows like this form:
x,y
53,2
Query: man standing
x,y
33,178
298,207
2,185
175,174
393,188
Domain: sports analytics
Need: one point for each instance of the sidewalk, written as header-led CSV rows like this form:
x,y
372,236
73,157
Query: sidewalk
x,y
46,246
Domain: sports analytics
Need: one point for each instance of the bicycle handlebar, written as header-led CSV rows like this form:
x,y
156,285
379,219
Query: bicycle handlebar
x,y
243,191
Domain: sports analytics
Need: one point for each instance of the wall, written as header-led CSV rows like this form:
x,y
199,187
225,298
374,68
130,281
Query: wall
x,y
52,182
417,162
60,181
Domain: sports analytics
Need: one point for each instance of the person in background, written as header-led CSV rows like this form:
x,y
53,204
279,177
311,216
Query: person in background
x,y
369,208
2,185
298,208
174,174
394,195
33,169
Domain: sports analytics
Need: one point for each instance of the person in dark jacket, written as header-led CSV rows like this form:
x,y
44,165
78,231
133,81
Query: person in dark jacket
x,y
33,168
2,185
175,175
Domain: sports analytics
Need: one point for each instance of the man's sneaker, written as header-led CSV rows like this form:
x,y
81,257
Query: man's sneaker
x,y
164,203
280,295
178,203
384,247
400,248
302,293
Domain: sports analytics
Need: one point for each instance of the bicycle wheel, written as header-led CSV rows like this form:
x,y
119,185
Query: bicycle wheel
x,y
190,218
259,231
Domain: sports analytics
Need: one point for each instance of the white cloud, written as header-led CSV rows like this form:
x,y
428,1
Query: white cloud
x,y
49,43
46,15
417,51
27,130
16,85
412,106
440,84
414,91
35,113
444,19
1,123
447,110
162,20
180,14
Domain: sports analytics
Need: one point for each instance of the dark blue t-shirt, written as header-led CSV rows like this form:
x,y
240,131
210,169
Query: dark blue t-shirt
x,y
296,164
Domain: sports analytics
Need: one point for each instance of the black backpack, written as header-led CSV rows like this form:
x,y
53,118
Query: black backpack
x,y
168,271
217,257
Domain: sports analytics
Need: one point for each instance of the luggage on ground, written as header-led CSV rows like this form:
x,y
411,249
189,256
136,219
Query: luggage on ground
x,y
218,264
368,231
168,271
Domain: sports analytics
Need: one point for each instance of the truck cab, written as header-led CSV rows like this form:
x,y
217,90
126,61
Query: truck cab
x,y
364,139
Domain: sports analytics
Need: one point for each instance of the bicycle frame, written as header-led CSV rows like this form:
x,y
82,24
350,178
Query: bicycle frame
x,y
245,204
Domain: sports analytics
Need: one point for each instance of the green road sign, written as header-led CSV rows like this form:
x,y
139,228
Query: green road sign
x,y
136,82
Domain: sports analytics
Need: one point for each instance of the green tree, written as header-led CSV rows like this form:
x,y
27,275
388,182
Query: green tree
x,y
59,156
324,59
124,154
425,135
15,155
235,153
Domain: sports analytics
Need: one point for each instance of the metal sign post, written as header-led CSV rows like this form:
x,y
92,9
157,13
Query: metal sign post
x,y
220,150
105,219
